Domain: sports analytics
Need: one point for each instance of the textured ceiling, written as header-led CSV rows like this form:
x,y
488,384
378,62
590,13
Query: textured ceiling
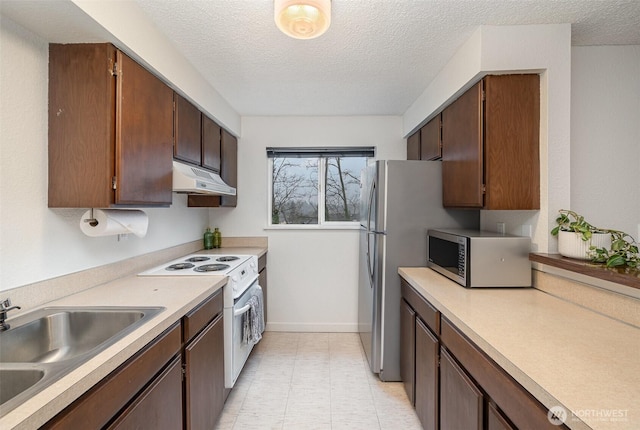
x,y
377,57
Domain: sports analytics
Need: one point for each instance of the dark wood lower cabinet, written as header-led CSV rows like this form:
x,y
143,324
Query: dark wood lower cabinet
x,y
408,348
455,385
104,402
495,419
174,382
204,373
461,401
426,365
262,281
159,406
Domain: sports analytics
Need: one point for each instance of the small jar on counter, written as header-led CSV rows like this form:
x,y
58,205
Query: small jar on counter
x,y
217,238
208,239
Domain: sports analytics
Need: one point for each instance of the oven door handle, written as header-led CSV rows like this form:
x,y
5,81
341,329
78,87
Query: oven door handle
x,y
241,311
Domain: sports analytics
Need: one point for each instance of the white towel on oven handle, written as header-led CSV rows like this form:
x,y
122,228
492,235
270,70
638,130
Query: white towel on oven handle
x,y
253,319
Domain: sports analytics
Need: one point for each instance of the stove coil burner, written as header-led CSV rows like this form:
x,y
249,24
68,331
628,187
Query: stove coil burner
x,y
180,266
211,267
198,259
227,258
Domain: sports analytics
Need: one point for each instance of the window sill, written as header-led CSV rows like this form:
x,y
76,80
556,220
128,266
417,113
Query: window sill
x,y
314,227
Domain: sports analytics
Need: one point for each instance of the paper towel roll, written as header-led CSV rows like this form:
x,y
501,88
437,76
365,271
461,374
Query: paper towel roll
x,y
115,221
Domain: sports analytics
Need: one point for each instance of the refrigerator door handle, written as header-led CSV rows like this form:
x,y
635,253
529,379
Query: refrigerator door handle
x,y
370,205
369,268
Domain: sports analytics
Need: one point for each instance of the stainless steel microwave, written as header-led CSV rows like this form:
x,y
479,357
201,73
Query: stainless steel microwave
x,y
475,258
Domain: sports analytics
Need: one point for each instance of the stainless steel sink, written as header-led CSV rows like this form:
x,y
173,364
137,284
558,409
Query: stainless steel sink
x,y
15,381
44,345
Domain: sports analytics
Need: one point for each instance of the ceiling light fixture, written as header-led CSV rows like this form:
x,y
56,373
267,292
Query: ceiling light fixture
x,y
302,19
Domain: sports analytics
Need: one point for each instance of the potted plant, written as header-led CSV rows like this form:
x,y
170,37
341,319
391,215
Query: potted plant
x,y
579,239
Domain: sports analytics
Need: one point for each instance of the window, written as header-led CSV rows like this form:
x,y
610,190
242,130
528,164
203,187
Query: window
x,y
316,186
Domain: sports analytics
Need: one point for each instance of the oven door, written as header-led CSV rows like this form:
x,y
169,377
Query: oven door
x,y
236,349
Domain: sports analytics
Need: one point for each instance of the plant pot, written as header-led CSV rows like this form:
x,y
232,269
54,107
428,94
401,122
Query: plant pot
x,y
570,244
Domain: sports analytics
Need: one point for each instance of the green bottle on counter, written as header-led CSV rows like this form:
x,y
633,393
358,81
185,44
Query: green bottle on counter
x,y
208,239
217,238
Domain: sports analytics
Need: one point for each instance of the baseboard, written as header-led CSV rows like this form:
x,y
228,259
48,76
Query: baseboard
x,y
313,327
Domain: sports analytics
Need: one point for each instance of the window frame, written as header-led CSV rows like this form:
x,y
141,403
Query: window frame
x,y
322,154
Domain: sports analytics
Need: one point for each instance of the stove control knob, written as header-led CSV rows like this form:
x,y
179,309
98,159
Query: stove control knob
x,y
234,278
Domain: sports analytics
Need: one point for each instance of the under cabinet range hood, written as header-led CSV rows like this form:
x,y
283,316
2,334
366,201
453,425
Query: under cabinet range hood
x,y
194,180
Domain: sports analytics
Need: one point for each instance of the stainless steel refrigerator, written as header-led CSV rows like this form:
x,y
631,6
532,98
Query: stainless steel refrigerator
x,y
400,200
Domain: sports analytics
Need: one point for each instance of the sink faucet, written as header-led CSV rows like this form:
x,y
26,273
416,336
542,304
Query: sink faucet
x,y
5,306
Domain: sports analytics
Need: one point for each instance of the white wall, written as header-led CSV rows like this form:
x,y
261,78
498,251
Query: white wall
x,y
605,136
313,275
36,242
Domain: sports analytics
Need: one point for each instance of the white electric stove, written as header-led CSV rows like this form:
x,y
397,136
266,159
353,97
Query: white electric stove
x,y
242,285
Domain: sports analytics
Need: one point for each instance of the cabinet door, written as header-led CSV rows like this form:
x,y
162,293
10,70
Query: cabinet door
x,y
408,348
229,168
497,421
187,145
461,402
210,144
426,376
511,142
462,151
413,146
430,140
82,91
204,382
262,281
98,406
159,406
144,136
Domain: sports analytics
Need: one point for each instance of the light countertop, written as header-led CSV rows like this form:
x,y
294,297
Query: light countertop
x,y
177,294
560,352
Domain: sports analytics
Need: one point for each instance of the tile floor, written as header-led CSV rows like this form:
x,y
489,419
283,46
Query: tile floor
x,y
314,381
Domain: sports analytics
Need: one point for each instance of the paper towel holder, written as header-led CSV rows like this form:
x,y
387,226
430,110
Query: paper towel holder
x,y
92,221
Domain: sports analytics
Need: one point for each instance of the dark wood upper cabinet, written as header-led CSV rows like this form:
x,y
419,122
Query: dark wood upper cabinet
x,y
431,139
462,151
197,137
187,146
228,173
413,146
490,145
229,168
211,133
110,130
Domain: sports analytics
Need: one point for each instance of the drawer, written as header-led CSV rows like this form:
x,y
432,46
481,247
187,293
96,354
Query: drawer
x,y
524,410
194,321
424,309
96,407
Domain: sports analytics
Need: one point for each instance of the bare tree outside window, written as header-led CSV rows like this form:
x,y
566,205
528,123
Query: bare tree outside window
x,y
342,190
296,185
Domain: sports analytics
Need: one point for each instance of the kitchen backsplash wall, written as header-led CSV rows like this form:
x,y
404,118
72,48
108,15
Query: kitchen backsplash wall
x,y
38,243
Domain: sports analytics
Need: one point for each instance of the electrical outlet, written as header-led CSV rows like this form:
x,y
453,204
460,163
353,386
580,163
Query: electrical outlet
x,y
526,230
501,228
